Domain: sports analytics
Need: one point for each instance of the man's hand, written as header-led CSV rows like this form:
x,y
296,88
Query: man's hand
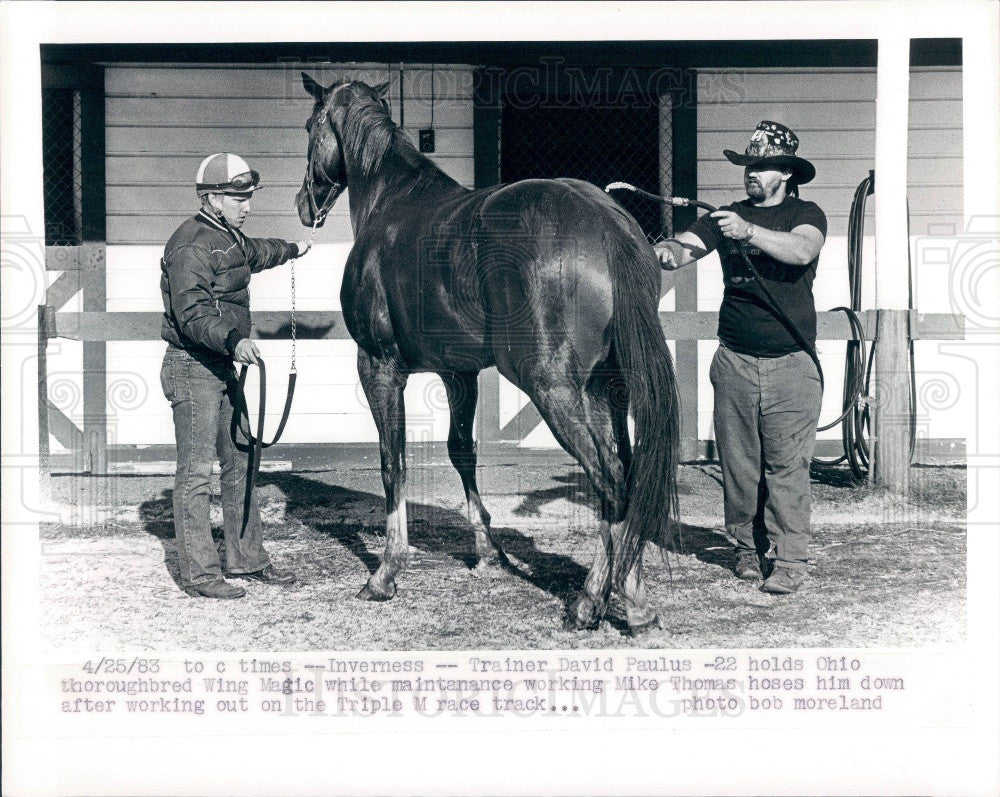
x,y
732,226
247,352
303,247
665,256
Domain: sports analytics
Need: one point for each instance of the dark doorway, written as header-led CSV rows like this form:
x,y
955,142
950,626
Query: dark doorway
x,y
61,167
597,143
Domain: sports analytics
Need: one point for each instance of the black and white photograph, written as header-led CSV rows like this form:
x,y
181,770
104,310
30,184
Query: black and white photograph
x,y
383,376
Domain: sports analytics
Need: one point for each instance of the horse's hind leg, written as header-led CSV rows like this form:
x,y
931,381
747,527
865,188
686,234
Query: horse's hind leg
x,y
581,420
463,390
383,382
594,428
632,595
607,389
587,608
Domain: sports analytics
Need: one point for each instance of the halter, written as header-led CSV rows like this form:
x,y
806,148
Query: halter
x,y
319,212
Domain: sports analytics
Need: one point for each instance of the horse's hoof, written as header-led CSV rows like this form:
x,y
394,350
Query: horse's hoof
x,y
489,566
571,623
491,556
616,611
369,594
582,615
639,627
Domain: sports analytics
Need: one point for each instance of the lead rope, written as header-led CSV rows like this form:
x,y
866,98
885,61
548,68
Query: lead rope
x,y
295,326
255,444
241,415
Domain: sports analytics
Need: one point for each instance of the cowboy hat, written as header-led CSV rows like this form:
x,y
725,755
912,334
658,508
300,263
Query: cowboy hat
x,y
772,145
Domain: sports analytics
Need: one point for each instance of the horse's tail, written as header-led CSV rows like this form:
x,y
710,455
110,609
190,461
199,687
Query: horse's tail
x,y
647,368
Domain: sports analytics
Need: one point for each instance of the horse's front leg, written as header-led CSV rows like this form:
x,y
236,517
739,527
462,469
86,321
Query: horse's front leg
x,y
463,390
383,382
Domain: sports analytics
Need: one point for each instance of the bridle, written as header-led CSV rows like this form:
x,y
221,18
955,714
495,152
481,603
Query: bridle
x,y
319,212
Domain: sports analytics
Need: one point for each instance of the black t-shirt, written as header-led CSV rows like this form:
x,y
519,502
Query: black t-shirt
x,y
747,324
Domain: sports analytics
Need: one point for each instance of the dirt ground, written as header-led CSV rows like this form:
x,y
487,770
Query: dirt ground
x,y
885,572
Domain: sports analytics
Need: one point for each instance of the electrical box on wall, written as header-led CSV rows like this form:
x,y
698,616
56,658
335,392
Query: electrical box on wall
x,y
427,140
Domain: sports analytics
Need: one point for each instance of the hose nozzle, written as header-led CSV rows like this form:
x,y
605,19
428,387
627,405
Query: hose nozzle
x,y
676,201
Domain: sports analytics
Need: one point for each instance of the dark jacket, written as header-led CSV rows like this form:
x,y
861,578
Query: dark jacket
x,y
204,279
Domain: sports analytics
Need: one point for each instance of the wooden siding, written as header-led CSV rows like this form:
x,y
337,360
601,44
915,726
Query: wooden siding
x,y
162,120
833,113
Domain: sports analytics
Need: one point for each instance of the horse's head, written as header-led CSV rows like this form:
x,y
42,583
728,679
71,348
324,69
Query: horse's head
x,y
326,171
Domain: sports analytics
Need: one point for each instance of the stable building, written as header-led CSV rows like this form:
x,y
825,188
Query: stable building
x,y
125,127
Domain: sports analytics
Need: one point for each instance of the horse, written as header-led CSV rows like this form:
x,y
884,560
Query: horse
x,y
551,282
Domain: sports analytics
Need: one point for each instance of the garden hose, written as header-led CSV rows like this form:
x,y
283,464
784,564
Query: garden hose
x,y
856,427
854,418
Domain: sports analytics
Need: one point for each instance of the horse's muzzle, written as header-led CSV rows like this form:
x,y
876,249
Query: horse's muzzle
x,y
304,207
312,212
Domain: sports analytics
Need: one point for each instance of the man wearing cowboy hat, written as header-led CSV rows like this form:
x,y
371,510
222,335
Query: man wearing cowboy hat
x,y
204,276
767,388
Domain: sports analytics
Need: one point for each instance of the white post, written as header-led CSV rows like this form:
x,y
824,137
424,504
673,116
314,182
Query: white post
x,y
892,411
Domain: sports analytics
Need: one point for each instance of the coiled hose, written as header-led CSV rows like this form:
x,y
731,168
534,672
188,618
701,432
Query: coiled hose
x,y
856,419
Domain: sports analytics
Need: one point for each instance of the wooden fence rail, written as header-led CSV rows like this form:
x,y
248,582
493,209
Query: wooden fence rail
x,y
329,325
83,268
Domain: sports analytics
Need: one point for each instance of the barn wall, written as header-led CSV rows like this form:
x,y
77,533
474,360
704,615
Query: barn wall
x,y
161,121
833,113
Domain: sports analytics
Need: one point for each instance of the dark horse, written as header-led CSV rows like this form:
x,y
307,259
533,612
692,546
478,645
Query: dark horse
x,y
548,280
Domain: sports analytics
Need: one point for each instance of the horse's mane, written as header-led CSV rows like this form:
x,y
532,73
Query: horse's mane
x,y
369,134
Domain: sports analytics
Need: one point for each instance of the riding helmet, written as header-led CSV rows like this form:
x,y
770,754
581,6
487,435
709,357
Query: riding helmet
x,y
225,173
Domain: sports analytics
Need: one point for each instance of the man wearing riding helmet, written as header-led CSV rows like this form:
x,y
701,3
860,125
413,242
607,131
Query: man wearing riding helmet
x,y
204,278
767,388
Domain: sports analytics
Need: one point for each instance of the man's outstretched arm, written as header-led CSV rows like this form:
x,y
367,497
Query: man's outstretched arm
x,y
680,251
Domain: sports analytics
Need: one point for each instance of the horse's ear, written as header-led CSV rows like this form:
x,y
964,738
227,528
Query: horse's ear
x,y
381,89
314,88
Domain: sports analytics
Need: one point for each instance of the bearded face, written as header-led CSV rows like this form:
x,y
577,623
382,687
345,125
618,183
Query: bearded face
x,y
762,184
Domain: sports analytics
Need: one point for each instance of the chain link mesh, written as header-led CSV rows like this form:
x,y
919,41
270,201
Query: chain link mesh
x,y
62,172
598,143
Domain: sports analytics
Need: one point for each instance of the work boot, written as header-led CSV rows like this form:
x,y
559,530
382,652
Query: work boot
x,y
269,574
748,565
783,581
220,588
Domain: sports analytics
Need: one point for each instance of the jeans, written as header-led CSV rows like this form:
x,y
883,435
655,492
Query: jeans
x,y
201,394
766,412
